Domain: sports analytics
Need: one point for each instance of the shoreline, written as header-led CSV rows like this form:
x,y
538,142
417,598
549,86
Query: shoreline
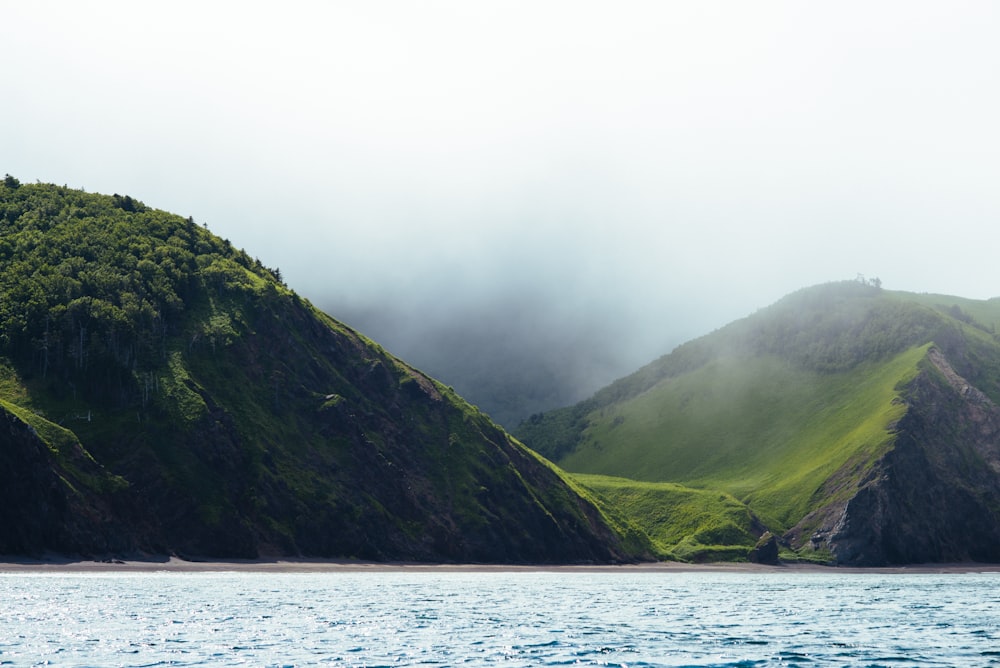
x,y
12,564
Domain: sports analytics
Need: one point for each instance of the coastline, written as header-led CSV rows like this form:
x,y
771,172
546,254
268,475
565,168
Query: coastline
x,y
13,564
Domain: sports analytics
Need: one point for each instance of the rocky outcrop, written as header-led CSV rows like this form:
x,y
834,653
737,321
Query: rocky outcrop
x,y
66,503
765,551
32,498
934,496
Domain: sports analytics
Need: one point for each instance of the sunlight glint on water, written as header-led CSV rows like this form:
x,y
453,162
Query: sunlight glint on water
x,y
509,619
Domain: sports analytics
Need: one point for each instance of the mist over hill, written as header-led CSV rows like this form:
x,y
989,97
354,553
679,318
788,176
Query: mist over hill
x,y
511,356
669,157
518,349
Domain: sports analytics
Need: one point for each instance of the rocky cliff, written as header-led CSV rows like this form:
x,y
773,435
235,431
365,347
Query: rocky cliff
x,y
58,501
935,495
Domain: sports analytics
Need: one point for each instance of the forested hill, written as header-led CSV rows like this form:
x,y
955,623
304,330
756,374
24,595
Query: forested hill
x,y
90,280
163,392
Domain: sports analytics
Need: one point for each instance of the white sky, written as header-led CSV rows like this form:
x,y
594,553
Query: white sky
x,y
669,165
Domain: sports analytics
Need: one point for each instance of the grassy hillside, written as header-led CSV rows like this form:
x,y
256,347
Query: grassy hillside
x,y
772,408
682,523
759,429
223,415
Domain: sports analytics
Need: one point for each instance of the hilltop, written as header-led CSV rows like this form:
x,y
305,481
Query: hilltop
x,y
860,425
161,392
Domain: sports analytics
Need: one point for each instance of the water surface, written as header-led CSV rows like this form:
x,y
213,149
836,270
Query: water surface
x,y
499,618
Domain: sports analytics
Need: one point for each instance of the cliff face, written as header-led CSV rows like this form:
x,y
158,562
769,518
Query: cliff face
x,y
935,495
33,503
58,501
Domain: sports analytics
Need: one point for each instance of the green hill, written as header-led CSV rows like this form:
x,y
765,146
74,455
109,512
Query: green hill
x,y
806,411
681,523
163,392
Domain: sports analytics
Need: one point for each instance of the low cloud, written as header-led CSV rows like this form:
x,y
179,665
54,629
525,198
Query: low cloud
x,y
545,195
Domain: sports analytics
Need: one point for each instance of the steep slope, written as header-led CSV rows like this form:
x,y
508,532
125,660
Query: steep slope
x,y
53,495
164,392
934,496
802,410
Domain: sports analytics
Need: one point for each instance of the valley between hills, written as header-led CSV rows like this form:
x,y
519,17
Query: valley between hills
x,y
163,393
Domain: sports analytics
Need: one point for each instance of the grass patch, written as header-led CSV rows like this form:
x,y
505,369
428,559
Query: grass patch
x,y
760,429
681,523
66,449
59,440
634,539
184,404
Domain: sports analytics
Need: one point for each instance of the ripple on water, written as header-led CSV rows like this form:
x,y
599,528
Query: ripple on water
x,y
514,619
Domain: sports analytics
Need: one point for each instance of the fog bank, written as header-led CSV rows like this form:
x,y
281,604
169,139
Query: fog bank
x,y
541,195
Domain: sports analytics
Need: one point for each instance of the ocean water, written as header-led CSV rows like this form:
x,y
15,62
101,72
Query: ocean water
x,y
499,619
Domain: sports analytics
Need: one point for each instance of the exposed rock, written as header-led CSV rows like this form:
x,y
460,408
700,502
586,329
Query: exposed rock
x,y
47,506
765,551
935,495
